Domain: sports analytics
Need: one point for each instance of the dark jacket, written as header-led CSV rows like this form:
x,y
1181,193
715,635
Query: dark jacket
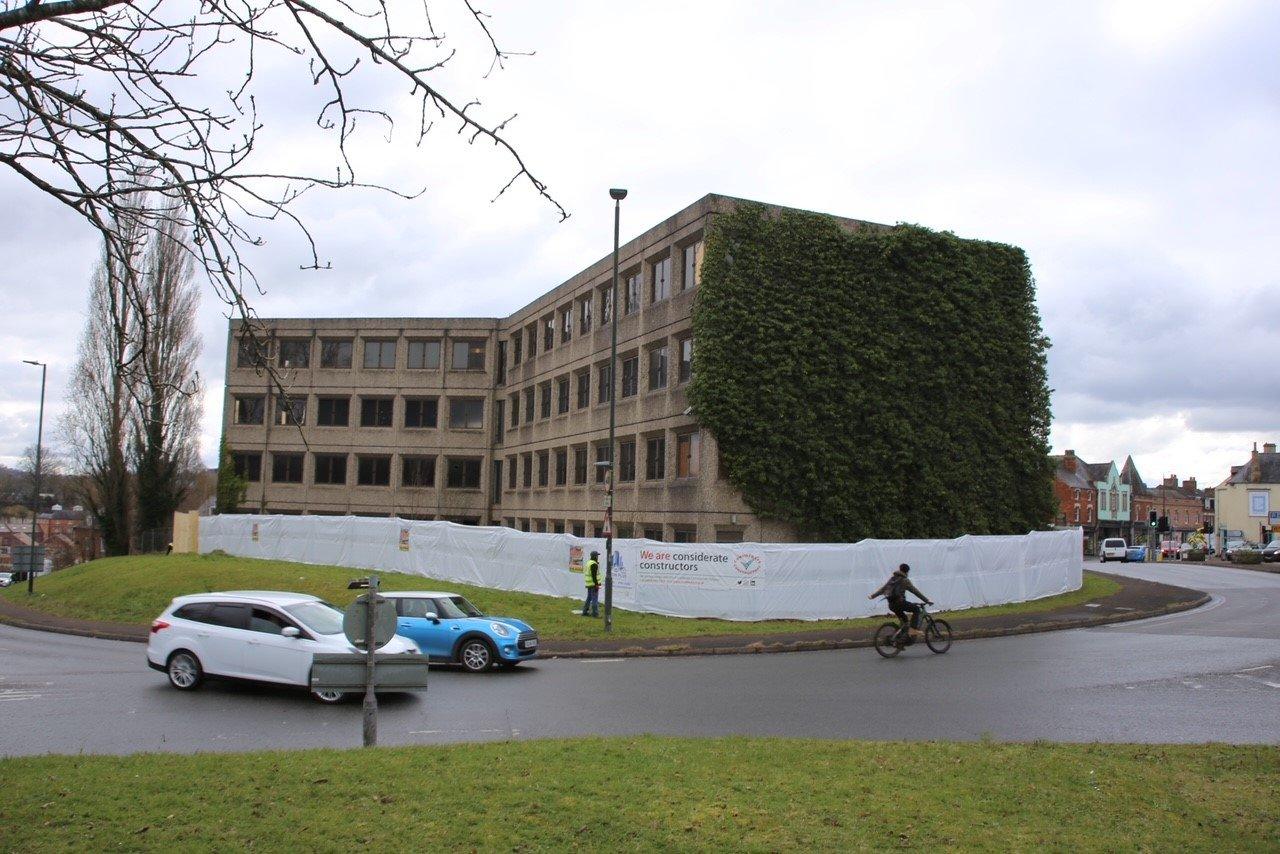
x,y
898,586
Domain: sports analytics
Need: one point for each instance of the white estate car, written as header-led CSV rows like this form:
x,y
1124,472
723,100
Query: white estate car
x,y
262,635
1113,548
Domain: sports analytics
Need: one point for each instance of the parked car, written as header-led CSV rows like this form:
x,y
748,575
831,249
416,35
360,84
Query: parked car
x,y
1234,546
1271,551
6,578
448,628
263,636
1135,554
1113,548
1169,549
1184,549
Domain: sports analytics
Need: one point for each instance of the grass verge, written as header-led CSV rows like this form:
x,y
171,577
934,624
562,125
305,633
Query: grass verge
x,y
136,589
651,793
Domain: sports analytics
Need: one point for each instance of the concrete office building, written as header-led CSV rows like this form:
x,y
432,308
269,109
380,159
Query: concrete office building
x,y
499,421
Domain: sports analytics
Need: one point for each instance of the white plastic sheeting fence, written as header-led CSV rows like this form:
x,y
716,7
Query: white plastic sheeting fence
x,y
739,581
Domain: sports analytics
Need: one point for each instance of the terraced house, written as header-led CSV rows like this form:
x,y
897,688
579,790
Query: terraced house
x,y
498,420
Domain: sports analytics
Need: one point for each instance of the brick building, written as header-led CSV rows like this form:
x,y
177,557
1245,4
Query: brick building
x,y
499,420
1182,502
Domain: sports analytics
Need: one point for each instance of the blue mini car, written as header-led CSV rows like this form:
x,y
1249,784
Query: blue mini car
x,y
448,628
1135,554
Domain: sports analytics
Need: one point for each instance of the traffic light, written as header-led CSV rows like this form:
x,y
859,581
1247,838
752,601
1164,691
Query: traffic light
x,y
1164,524
1152,518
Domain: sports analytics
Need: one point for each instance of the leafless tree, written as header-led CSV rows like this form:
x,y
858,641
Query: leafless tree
x,y
166,399
100,99
95,426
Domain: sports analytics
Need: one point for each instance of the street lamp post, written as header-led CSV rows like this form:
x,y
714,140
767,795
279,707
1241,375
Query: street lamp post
x,y
617,196
35,504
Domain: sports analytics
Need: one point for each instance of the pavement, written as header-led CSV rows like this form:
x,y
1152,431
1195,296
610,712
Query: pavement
x,y
1136,599
1208,674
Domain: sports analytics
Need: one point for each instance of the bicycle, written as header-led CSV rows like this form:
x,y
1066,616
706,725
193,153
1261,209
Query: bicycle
x,y
937,635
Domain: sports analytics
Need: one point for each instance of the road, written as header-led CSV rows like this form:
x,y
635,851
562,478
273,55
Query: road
x,y
1212,674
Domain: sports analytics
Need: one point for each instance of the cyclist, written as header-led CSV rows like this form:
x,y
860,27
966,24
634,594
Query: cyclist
x,y
896,590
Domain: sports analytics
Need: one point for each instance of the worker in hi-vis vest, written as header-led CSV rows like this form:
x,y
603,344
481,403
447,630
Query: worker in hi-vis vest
x,y
591,575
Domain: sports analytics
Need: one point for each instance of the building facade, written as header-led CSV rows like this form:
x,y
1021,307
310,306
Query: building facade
x,y
498,420
1248,501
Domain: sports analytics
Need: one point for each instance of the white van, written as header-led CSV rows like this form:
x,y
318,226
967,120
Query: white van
x,y
1113,548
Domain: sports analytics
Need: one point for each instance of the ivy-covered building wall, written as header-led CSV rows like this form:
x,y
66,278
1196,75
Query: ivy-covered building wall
x,y
884,382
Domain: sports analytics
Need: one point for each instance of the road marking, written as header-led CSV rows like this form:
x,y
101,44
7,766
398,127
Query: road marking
x,y
599,660
513,732
1259,667
1256,679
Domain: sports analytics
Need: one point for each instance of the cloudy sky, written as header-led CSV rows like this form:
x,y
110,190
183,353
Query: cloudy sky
x,y
1132,148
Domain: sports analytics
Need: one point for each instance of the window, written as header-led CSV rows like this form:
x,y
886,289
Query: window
x,y
544,463
373,471
528,405
495,482
376,411
630,376
335,352
655,458
584,389
606,385
728,535
602,456
502,362
230,616
514,401
466,413
295,353
626,461
683,534
544,403
247,466
469,355
291,411
380,354
562,395
421,411
562,467
527,465
686,360
516,352
579,529
498,420
692,266
418,471
249,354
463,473
566,324
579,465
688,450
548,332
606,305
558,528
531,335
331,469
511,472
286,468
333,411
424,354
653,532
632,301
660,284
250,409
658,368
584,315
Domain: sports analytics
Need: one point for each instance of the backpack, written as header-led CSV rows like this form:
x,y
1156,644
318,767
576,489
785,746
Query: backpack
x,y
897,587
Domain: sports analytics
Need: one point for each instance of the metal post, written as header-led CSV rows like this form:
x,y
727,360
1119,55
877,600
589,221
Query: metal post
x,y
617,196
370,643
35,504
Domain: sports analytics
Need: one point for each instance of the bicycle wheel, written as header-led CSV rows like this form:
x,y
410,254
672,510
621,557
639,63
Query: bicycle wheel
x,y
884,640
938,636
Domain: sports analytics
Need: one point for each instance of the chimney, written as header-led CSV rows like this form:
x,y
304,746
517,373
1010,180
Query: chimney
x,y
1069,460
1171,482
1269,448
1189,483
1255,467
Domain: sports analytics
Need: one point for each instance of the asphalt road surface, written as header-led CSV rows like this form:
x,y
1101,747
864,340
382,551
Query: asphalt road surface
x,y
1212,674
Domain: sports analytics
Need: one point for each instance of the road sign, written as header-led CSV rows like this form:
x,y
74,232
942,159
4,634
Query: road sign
x,y
354,623
345,671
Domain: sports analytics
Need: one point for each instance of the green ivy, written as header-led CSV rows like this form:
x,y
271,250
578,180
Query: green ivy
x,y
883,383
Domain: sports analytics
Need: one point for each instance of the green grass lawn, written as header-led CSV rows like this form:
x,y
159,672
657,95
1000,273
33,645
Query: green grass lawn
x,y
651,794
136,589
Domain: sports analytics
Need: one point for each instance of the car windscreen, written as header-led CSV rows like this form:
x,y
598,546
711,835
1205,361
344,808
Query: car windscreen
x,y
456,607
320,617
1119,544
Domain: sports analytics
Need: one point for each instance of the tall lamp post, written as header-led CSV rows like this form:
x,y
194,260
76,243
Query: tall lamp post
x,y
35,504
617,196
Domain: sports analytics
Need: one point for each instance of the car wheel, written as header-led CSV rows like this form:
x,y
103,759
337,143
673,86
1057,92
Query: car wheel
x,y
184,670
328,697
476,655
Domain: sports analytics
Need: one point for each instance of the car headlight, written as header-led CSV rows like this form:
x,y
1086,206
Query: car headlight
x,y
500,630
